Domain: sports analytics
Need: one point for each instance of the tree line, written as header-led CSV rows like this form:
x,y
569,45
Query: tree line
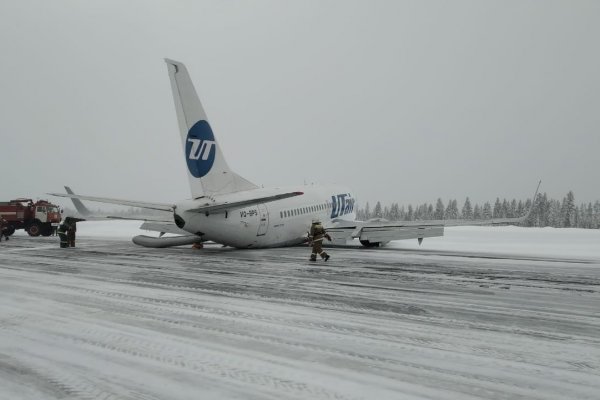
x,y
555,213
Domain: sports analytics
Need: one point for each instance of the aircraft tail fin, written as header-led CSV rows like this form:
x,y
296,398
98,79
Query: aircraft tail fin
x,y
208,171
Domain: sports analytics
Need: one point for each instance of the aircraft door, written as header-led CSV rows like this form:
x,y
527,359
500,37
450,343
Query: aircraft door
x,y
263,220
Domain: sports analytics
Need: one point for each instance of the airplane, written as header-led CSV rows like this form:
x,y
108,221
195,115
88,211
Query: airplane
x,y
227,209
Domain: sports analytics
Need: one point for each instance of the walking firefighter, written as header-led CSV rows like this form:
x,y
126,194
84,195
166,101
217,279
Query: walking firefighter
x,y
316,236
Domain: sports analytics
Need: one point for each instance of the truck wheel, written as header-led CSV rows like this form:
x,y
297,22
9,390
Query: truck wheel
x,y
34,229
10,230
46,230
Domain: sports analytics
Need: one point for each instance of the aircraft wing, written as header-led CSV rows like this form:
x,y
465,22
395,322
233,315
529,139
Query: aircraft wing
x,y
376,231
493,221
369,232
141,204
232,205
381,231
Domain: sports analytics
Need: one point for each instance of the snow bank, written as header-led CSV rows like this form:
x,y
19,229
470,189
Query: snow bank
x,y
513,240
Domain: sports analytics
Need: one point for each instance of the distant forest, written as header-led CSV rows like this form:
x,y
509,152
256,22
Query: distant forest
x,y
546,212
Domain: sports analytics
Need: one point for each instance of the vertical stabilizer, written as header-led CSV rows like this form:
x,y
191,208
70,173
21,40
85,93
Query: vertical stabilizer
x,y
208,171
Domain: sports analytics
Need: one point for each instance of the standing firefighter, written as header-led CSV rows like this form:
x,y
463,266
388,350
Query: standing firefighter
x,y
3,229
71,232
66,231
62,233
317,234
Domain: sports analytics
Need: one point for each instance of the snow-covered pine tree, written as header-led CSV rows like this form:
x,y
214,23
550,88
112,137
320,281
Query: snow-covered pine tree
x,y
451,210
512,210
554,214
439,209
520,209
394,212
505,208
467,210
377,211
497,208
589,216
477,212
568,210
487,211
530,220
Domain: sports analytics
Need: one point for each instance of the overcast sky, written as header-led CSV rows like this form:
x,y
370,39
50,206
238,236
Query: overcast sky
x,y
402,101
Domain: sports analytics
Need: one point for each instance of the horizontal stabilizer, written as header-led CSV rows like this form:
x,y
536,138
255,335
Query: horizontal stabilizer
x,y
130,203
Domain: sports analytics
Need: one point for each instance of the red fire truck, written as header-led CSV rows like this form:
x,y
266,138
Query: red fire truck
x,y
39,218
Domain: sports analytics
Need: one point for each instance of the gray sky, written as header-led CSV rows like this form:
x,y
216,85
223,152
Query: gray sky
x,y
402,101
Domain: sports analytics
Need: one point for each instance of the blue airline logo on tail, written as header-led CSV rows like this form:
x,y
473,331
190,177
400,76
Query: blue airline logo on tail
x,y
341,204
200,149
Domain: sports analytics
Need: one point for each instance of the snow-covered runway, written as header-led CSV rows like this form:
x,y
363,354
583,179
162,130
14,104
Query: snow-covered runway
x,y
110,320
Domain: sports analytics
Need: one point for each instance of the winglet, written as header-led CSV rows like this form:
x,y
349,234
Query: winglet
x,y
81,209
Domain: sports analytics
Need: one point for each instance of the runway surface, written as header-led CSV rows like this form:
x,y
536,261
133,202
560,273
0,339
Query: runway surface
x,y
110,320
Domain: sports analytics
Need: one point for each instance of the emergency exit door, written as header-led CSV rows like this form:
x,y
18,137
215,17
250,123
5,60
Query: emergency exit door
x,y
263,220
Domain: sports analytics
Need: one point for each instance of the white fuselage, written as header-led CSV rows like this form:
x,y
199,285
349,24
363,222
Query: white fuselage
x,y
277,223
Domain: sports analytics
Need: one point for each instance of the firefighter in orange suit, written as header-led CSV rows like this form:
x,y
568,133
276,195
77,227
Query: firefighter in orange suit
x,y
316,236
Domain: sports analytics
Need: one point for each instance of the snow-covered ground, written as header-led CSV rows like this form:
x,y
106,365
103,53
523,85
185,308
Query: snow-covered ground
x,y
467,316
506,240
